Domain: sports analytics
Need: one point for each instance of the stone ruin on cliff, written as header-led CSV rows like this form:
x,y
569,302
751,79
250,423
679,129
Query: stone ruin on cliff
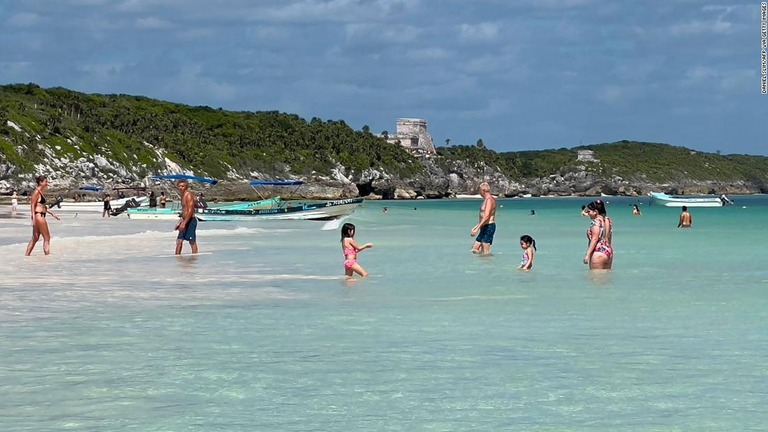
x,y
412,135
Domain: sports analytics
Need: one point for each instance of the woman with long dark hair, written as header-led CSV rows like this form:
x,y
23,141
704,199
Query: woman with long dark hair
x,y
599,254
38,210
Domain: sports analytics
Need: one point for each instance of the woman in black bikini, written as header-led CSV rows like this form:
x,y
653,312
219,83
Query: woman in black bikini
x,y
39,210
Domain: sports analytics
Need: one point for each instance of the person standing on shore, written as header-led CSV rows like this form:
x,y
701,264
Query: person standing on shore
x,y
14,202
686,220
486,227
187,226
107,206
38,210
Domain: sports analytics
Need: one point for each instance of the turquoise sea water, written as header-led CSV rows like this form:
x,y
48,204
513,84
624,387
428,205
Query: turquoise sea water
x,y
261,332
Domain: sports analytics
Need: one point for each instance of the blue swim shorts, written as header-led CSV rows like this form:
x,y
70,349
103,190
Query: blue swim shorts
x,y
190,231
486,233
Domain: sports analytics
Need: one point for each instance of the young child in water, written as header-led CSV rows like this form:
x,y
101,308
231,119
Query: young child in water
x,y
351,249
528,244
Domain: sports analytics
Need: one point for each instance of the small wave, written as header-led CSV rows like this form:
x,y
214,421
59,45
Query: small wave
x,y
479,297
236,231
334,224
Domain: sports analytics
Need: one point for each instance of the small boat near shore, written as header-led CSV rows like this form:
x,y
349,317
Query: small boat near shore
x,y
268,208
663,199
67,206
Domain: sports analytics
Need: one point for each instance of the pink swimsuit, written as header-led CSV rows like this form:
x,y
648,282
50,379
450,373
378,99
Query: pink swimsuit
x,y
602,246
349,263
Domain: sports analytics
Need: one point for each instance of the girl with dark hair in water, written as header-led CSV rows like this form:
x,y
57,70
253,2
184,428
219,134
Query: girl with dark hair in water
x,y
528,244
38,209
351,249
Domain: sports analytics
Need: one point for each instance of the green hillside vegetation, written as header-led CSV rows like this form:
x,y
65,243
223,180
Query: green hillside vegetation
x,y
131,129
662,162
631,160
211,141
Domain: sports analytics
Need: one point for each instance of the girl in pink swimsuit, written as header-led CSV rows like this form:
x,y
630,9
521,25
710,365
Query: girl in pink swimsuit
x,y
599,252
351,249
528,244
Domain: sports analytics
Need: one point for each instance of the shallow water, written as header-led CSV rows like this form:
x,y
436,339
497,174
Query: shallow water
x,y
261,332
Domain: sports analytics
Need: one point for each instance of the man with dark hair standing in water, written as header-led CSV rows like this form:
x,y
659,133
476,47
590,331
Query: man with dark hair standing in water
x,y
187,226
686,220
486,227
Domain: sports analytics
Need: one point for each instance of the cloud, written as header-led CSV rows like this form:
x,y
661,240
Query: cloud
x,y
700,26
429,54
152,23
485,31
721,80
23,20
623,94
396,33
717,25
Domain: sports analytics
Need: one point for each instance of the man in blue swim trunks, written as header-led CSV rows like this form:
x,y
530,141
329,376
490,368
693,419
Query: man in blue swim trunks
x,y
486,227
187,226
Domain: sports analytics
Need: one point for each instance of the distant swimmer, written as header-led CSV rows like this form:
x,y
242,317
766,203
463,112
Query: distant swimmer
x,y
686,220
528,244
533,212
384,210
636,210
351,249
38,209
486,227
187,226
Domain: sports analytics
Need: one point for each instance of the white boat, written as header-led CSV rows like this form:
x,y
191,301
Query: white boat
x,y
689,200
66,206
287,210
270,208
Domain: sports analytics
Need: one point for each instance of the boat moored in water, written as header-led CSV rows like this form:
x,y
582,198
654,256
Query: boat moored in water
x,y
689,200
268,208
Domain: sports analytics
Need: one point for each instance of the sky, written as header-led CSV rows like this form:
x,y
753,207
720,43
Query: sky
x,y
518,74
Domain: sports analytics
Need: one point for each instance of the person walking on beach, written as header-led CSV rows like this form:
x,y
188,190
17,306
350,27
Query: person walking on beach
x,y
38,210
187,226
107,206
686,220
14,202
528,244
599,255
486,227
351,249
